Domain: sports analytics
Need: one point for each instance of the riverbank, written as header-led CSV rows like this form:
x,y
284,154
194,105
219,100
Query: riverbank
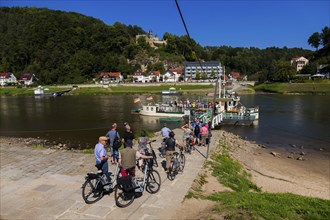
x,y
314,87
272,171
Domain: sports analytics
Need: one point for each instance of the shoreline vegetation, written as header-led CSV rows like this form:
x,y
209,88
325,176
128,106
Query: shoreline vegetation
x,y
313,87
243,180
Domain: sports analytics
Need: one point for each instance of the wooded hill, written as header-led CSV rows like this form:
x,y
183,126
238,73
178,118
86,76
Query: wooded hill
x,y
62,47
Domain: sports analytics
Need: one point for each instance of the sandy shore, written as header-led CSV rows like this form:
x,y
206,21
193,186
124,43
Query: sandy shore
x,y
297,171
274,171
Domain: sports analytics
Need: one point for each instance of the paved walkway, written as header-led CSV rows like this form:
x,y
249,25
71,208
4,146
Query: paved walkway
x,y
46,184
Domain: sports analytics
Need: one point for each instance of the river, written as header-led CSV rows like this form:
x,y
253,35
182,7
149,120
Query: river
x,y
285,120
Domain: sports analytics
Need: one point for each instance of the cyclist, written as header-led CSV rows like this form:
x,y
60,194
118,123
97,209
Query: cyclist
x,y
187,137
170,149
101,156
127,159
165,132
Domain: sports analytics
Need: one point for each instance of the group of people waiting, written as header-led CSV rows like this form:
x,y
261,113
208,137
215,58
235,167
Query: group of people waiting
x,y
195,132
125,157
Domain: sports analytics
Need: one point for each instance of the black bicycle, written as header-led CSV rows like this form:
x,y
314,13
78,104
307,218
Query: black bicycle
x,y
129,187
177,165
96,185
151,151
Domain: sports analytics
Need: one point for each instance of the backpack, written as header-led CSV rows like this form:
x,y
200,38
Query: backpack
x,y
197,129
116,142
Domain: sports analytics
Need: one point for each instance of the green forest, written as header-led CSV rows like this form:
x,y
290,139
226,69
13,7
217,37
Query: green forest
x,y
64,47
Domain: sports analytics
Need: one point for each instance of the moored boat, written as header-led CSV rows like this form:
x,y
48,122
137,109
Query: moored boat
x,y
39,91
161,110
171,91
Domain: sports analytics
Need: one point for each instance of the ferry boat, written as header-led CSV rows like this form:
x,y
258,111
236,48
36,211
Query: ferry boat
x,y
161,110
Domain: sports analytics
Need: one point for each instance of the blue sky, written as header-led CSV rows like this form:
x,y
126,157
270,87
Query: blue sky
x,y
245,23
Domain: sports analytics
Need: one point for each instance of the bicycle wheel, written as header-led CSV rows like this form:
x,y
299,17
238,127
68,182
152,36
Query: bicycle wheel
x,y
92,191
182,162
171,175
123,198
154,157
153,182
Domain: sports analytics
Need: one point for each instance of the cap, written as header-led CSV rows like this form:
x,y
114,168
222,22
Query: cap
x,y
125,123
103,138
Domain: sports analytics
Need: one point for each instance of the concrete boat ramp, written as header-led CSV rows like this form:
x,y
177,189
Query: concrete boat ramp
x,y
46,184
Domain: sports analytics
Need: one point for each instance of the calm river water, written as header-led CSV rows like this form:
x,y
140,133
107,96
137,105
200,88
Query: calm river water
x,y
80,120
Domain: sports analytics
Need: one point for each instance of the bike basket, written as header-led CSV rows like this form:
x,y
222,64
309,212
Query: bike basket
x,y
127,183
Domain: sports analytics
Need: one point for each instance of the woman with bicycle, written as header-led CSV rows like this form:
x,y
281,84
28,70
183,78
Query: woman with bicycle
x,y
127,159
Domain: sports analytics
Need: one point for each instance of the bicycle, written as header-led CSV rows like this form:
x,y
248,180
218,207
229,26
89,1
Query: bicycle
x,y
162,149
177,165
151,151
129,187
96,184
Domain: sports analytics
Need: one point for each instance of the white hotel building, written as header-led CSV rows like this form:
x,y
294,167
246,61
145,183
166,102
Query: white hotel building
x,y
191,68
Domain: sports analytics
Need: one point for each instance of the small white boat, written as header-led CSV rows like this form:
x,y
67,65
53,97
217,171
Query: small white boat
x,y
171,91
39,91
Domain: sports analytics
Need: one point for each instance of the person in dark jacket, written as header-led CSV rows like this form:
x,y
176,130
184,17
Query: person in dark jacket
x,y
169,149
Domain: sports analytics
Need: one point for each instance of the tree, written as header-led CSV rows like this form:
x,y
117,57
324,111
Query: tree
x,y
325,37
314,40
284,71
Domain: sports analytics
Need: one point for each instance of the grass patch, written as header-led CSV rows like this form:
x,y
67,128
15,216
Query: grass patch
x,y
116,89
248,205
248,202
315,87
229,172
38,146
88,151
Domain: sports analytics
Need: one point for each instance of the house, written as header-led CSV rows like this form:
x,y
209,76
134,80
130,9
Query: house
x,y
170,76
234,76
154,76
299,62
27,79
7,78
208,69
139,77
110,77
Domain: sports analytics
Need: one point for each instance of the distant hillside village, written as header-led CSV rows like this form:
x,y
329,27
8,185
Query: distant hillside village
x,y
191,71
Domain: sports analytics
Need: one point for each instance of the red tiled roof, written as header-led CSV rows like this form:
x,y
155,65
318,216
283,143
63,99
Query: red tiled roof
x,y
235,75
26,76
297,58
156,73
176,70
116,74
108,74
5,75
